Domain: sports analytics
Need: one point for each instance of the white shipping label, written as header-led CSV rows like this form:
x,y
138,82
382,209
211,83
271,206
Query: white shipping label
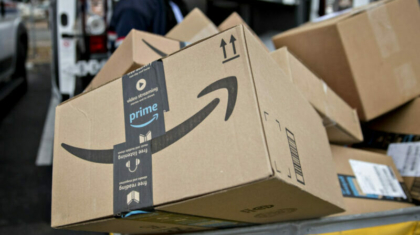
x,y
406,157
376,179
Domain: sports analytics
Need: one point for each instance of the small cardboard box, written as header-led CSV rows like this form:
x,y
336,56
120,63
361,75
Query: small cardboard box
x,y
138,49
340,120
368,56
194,27
206,132
235,19
358,170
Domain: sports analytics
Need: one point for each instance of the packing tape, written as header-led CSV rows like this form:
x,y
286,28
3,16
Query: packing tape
x,y
385,36
406,79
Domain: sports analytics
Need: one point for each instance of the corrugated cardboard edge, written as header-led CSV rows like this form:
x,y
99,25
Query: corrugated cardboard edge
x,y
132,35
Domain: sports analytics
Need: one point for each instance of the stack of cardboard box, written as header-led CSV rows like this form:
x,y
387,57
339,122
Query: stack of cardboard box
x,y
176,137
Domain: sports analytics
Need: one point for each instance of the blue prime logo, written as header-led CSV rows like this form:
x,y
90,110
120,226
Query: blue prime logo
x,y
143,112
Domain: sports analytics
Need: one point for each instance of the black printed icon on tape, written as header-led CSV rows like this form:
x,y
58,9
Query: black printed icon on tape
x,y
176,133
223,46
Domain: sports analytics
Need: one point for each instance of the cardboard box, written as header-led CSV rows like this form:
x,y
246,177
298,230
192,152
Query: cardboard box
x,y
368,56
231,139
194,27
235,19
356,171
340,120
138,49
398,126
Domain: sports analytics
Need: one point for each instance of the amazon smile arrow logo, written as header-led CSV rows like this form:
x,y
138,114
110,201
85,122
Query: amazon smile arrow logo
x,y
155,117
176,133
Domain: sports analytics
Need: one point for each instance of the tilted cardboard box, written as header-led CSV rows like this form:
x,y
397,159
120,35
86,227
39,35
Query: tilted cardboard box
x,y
194,27
368,56
340,120
357,169
207,131
138,49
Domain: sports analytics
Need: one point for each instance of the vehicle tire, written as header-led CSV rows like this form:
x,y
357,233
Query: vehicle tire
x,y
21,55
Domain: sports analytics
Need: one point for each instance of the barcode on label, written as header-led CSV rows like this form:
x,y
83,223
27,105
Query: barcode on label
x,y
376,179
295,156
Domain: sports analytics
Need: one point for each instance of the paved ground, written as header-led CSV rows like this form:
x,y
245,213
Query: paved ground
x,y
25,189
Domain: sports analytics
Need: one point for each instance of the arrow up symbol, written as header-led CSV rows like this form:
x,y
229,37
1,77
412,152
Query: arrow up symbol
x,y
232,40
223,44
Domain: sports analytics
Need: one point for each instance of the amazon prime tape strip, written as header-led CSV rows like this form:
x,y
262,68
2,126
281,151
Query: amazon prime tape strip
x,y
145,101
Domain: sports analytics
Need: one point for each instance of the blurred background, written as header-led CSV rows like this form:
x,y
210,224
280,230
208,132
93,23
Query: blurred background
x,y
49,52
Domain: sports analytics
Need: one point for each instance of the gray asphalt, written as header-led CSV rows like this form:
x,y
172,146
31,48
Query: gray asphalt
x,y
25,189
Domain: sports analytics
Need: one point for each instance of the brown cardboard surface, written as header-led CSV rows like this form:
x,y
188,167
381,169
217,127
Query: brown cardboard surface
x,y
194,27
138,48
339,118
341,156
367,57
404,120
214,160
235,19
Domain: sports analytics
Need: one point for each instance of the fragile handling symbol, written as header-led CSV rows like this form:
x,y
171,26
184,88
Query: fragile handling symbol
x,y
223,46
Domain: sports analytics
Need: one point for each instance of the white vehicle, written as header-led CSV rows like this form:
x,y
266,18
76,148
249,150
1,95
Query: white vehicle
x,y
80,42
13,48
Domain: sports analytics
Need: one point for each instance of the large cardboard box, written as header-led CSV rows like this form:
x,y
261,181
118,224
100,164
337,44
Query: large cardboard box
x,y
203,132
340,120
138,49
194,27
361,174
368,56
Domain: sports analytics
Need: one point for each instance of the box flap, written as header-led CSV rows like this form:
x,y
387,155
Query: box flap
x,y
138,48
194,27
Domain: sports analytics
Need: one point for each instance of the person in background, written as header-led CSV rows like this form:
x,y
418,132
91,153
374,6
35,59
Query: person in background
x,y
155,16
